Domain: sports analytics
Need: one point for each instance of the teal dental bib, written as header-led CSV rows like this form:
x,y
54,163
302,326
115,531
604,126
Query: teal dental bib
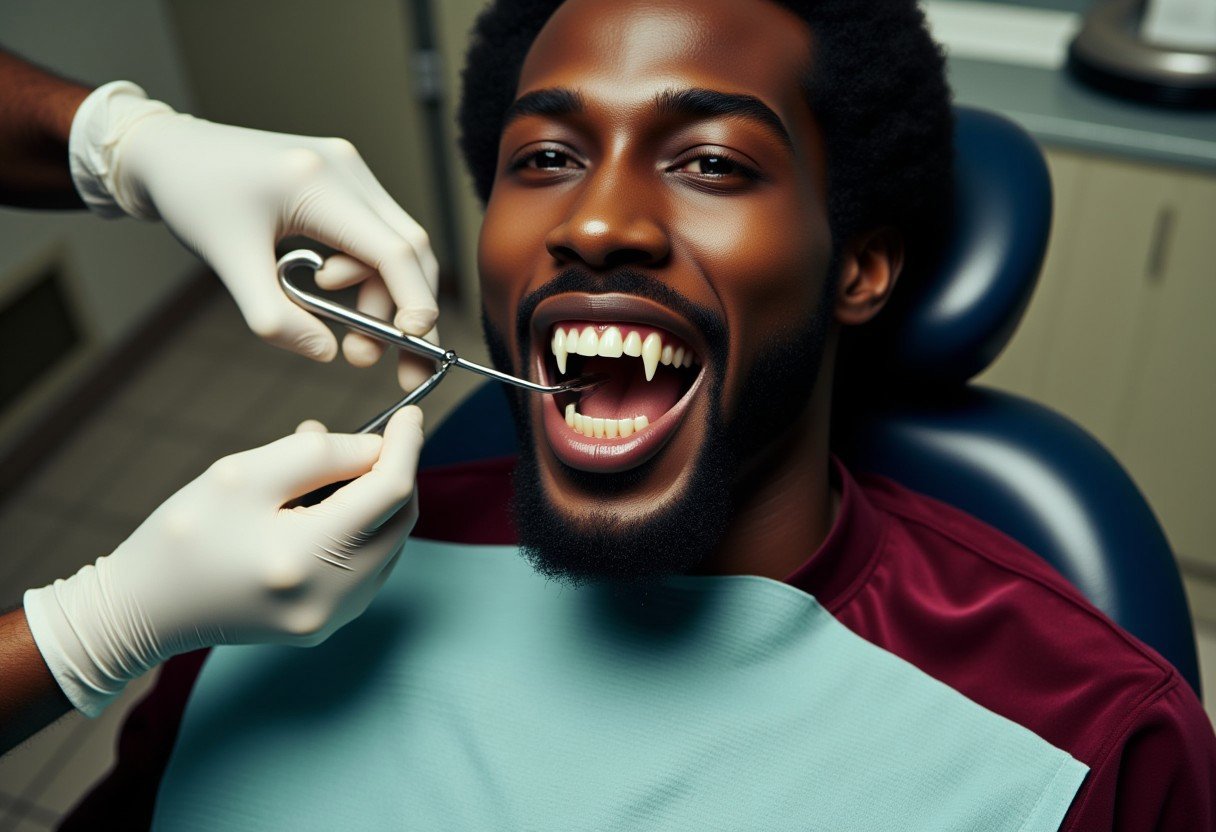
x,y
475,695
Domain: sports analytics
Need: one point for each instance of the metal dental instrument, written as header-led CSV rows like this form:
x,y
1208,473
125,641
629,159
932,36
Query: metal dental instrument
x,y
376,425
384,331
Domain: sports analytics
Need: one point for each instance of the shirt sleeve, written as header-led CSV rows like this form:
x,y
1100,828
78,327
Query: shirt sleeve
x,y
1159,772
125,798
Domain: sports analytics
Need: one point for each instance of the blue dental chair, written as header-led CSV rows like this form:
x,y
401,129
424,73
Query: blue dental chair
x,y
1014,464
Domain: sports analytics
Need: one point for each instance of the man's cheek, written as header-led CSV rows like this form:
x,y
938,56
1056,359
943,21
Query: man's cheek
x,y
504,282
496,307
494,265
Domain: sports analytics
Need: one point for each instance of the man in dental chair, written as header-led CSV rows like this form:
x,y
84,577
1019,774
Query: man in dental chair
x,y
713,623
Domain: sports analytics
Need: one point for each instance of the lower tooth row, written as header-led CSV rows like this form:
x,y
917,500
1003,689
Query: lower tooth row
x,y
597,428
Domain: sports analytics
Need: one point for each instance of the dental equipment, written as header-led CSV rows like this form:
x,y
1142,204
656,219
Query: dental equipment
x,y
384,331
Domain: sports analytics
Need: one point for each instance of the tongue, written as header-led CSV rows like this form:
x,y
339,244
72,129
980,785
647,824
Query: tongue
x,y
627,392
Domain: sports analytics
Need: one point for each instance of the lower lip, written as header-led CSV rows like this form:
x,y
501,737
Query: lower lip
x,y
611,456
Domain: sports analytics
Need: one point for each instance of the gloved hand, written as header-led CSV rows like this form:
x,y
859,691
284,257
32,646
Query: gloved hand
x,y
222,562
230,193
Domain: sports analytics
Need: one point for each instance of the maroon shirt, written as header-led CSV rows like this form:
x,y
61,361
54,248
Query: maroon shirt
x,y
925,581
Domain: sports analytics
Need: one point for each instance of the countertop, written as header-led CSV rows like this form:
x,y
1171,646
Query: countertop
x,y
1060,111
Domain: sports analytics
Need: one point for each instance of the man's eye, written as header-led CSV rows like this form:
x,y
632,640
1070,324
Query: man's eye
x,y
545,160
717,165
714,165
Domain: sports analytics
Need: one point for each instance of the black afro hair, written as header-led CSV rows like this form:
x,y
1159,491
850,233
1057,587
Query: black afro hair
x,y
877,89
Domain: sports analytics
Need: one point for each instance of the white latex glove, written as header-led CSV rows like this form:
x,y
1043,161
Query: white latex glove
x,y
222,562
230,193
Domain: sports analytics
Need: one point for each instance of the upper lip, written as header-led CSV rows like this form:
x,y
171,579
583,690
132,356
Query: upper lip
x,y
613,307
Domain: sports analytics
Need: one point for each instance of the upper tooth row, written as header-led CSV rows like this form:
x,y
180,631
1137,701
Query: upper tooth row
x,y
611,344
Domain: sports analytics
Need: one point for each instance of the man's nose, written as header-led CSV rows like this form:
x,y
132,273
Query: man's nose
x,y
610,225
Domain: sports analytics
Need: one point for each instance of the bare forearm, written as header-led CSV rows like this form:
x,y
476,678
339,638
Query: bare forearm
x,y
36,110
29,696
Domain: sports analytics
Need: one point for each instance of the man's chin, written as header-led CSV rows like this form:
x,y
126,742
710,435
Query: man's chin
x,y
597,529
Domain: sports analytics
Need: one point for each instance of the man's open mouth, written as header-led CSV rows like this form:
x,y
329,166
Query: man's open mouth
x,y
652,367
648,370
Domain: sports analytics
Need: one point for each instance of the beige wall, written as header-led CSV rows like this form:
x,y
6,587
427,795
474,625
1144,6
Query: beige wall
x,y
319,68
454,20
117,270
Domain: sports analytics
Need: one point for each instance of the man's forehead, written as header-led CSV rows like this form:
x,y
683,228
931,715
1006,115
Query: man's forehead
x,y
624,53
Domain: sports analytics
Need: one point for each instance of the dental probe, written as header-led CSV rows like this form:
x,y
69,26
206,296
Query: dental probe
x,y
376,425
384,331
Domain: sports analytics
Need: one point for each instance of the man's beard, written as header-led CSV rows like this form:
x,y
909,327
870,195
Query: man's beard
x,y
601,545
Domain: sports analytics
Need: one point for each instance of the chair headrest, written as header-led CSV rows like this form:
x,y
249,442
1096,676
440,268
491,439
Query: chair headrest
x,y
949,321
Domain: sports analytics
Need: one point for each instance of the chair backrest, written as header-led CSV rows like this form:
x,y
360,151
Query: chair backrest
x,y
1016,465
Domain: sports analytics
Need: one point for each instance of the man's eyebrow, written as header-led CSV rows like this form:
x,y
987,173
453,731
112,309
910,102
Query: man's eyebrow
x,y
694,102
702,103
553,102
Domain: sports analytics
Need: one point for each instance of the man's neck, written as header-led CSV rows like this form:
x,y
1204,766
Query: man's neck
x,y
786,510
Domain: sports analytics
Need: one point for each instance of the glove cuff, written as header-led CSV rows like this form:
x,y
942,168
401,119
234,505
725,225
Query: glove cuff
x,y
98,128
91,652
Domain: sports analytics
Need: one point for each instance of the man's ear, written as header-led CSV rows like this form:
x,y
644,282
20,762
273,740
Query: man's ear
x,y
869,267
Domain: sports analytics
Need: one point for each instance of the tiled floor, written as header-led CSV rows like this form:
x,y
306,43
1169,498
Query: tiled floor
x,y
215,389
212,390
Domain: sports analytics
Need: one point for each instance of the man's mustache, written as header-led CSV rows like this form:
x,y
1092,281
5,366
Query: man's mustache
x,y
627,281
